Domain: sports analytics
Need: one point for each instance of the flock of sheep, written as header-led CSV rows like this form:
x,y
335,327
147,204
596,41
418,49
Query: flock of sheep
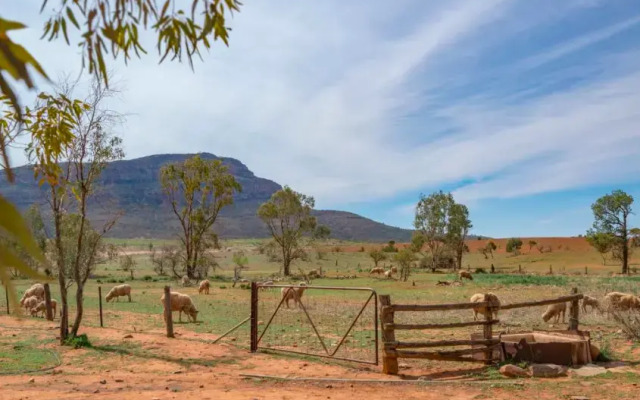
x,y
33,301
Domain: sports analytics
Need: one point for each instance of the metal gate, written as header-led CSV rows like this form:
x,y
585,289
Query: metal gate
x,y
325,321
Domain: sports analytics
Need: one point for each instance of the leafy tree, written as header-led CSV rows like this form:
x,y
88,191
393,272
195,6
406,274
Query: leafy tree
x,y
635,237
532,244
457,231
102,24
197,190
404,258
112,251
322,232
490,248
168,260
611,213
417,242
514,245
443,225
377,256
128,264
390,247
602,242
288,217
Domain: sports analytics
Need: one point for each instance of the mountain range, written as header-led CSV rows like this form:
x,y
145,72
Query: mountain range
x,y
132,187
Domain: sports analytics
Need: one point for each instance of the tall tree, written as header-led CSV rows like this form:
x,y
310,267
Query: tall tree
x,y
611,213
288,217
404,258
197,190
443,225
377,255
458,229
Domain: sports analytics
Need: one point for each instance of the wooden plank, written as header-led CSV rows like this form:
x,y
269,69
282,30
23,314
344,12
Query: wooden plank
x,y
437,307
438,326
563,299
488,332
444,343
440,354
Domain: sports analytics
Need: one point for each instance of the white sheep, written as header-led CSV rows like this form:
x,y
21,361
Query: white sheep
x,y
491,299
465,274
554,310
185,281
590,301
36,290
42,308
388,274
117,291
182,303
263,285
293,293
376,270
622,301
204,287
30,302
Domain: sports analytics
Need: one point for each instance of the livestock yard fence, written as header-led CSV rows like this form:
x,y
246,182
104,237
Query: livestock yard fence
x,y
339,323
482,349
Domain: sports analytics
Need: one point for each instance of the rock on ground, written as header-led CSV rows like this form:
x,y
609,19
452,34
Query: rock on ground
x,y
589,370
547,370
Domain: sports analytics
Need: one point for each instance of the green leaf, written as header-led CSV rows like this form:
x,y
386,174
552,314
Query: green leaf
x,y
13,224
72,17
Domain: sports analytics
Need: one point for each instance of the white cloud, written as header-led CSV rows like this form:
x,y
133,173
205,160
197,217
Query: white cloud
x,y
316,95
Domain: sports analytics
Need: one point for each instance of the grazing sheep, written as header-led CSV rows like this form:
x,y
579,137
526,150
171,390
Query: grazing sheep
x,y
622,301
181,302
185,281
388,274
117,291
204,287
42,308
36,290
494,305
293,293
394,269
554,310
590,301
30,302
465,274
376,270
263,285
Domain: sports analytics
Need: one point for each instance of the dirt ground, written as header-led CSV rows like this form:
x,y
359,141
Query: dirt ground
x,y
150,366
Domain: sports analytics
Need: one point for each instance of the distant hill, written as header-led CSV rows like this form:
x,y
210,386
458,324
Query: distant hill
x,y
133,187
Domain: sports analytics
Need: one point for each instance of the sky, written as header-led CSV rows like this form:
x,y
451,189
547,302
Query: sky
x,y
526,111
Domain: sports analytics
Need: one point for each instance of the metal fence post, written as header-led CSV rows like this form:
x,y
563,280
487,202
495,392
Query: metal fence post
x,y
100,304
254,317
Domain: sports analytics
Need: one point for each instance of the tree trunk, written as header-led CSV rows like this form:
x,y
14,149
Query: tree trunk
x,y
286,261
64,307
79,309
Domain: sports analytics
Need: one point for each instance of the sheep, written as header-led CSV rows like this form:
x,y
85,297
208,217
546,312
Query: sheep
x,y
293,293
36,290
181,302
376,270
30,302
622,301
491,299
42,308
204,287
465,274
263,285
394,269
388,274
554,310
590,301
185,281
117,291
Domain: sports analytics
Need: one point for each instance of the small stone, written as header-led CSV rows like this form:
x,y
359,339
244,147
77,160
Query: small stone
x,y
404,366
32,380
96,391
547,370
128,336
589,370
329,387
119,380
103,382
201,386
56,372
177,372
513,371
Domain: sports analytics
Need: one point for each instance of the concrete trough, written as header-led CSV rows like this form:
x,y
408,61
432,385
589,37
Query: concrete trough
x,y
543,347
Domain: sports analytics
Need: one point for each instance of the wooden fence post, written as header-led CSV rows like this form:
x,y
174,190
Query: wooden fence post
x,y
487,332
389,354
254,317
168,316
519,268
100,304
574,312
586,271
47,302
550,270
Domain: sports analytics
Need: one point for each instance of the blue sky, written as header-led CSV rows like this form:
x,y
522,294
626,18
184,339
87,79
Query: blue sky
x,y
526,110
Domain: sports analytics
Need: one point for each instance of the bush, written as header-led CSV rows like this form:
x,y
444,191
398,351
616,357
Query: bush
x,y
629,321
78,341
223,287
111,280
361,249
337,249
480,271
514,245
147,278
390,247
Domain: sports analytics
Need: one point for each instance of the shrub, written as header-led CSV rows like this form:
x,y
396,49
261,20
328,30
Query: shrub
x,y
337,249
514,245
480,271
390,247
361,249
147,278
223,287
78,341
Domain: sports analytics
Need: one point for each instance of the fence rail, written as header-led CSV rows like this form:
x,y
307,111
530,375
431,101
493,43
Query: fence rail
x,y
392,349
